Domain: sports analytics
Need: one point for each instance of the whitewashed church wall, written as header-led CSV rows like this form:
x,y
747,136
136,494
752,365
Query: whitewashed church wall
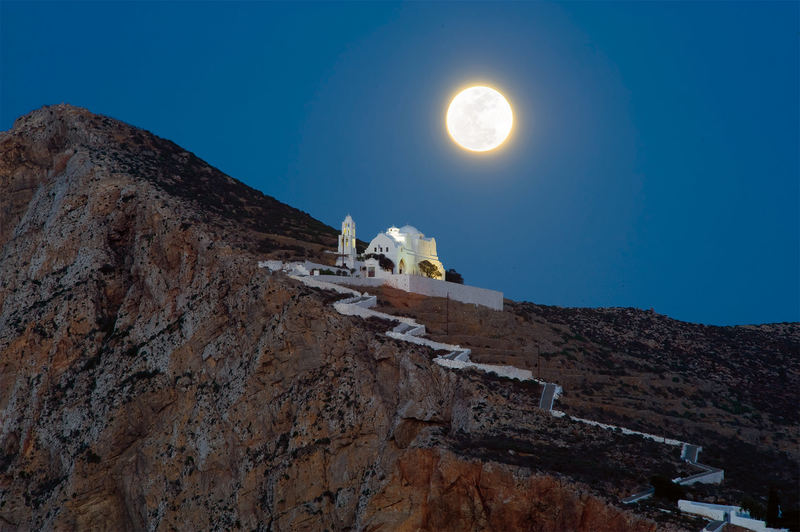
x,y
381,244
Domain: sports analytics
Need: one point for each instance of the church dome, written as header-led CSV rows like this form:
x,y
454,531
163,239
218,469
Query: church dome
x,y
410,230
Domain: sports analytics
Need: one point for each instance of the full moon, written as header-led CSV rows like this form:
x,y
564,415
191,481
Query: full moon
x,y
479,119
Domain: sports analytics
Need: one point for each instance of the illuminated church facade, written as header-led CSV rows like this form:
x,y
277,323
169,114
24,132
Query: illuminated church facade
x,y
408,250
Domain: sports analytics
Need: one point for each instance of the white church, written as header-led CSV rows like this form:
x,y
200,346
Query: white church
x,y
402,258
405,250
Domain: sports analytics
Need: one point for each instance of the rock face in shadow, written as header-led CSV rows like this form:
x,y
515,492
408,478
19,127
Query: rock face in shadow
x,y
152,377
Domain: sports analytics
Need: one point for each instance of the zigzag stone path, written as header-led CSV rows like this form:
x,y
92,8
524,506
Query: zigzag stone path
x,y
457,357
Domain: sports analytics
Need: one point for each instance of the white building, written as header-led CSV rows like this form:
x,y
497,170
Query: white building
x,y
406,248
347,244
393,259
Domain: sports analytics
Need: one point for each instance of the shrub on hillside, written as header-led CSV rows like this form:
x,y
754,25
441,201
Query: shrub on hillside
x,y
453,276
667,489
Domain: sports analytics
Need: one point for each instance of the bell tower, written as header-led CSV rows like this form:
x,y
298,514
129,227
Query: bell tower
x,y
347,244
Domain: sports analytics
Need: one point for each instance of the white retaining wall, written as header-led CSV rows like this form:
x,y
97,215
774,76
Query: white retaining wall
x,y
623,430
316,283
299,268
711,476
717,512
355,281
509,372
752,524
459,292
438,346
720,512
429,287
349,309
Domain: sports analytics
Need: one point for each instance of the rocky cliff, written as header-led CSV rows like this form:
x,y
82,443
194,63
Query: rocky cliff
x,y
152,377
732,390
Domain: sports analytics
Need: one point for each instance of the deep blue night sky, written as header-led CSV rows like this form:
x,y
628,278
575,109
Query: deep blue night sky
x,y
654,162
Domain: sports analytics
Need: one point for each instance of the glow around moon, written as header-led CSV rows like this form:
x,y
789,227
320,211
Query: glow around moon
x,y
479,119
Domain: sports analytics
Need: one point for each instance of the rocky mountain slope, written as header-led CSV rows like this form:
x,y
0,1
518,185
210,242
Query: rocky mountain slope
x,y
733,390
152,377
